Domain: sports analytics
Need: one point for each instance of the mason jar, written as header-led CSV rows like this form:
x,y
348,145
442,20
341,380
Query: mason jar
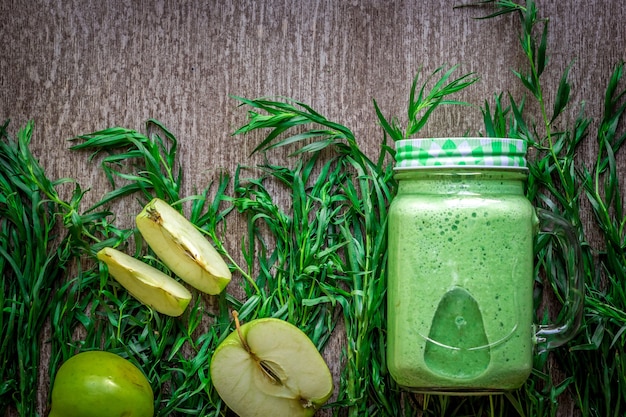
x,y
461,268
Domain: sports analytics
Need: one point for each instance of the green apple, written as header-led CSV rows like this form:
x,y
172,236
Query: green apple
x,y
146,283
100,384
182,247
269,367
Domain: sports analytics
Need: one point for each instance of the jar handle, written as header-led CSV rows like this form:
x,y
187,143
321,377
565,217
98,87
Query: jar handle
x,y
554,227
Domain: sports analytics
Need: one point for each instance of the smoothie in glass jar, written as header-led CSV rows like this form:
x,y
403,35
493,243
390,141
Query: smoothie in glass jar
x,y
460,304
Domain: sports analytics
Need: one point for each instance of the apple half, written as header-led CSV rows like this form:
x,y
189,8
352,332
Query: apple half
x,y
146,283
182,247
269,367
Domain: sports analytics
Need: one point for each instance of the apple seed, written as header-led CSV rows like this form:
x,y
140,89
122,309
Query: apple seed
x,y
269,372
265,366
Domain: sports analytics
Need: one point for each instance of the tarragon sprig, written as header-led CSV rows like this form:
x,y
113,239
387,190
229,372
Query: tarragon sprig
x,y
423,103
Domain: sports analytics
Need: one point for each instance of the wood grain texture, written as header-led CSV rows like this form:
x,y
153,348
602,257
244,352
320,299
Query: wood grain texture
x,y
77,66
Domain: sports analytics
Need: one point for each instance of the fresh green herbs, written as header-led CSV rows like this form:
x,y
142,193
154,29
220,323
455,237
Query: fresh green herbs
x,y
422,104
330,251
29,266
147,165
42,238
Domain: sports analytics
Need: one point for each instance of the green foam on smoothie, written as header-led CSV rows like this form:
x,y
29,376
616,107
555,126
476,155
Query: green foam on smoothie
x,y
457,344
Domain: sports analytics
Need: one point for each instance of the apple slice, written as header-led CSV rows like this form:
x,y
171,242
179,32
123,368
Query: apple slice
x,y
181,246
269,367
146,283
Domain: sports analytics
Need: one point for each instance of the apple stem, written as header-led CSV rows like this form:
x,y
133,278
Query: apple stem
x,y
241,338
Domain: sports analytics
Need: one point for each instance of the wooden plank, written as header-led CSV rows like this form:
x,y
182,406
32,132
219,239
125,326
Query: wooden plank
x,y
79,66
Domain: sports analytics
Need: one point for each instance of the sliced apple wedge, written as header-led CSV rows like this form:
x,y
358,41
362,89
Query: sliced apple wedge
x,y
181,246
269,367
146,283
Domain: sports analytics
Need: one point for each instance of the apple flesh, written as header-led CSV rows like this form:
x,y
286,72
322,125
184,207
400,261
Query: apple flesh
x,y
100,384
146,283
269,367
181,246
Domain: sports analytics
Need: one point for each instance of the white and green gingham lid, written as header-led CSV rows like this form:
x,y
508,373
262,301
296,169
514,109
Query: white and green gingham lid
x,y
501,153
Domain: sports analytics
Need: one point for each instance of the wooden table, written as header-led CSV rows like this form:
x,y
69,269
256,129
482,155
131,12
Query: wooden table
x,y
79,66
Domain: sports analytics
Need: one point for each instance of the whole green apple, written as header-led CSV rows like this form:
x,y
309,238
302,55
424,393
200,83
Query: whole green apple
x,y
100,384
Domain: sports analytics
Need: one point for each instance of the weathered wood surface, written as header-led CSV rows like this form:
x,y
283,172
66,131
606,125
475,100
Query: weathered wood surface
x,y
78,66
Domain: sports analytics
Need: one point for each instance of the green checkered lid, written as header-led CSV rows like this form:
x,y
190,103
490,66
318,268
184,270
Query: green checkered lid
x,y
460,153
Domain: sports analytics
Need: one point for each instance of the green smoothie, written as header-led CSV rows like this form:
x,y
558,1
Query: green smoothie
x,y
460,304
